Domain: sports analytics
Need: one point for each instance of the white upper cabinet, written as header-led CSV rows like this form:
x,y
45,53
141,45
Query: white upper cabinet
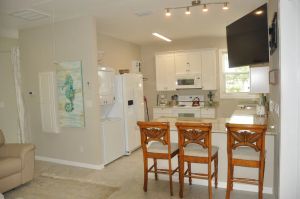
x,y
209,69
165,72
106,81
194,62
181,63
188,62
202,62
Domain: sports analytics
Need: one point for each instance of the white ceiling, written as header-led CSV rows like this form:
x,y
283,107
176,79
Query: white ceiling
x,y
118,17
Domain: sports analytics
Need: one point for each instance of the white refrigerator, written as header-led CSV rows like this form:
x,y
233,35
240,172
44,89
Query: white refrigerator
x,y
129,106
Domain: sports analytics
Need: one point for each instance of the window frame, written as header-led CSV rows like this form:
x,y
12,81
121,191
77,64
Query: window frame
x,y
223,94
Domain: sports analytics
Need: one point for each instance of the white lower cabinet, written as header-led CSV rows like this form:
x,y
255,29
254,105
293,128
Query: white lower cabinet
x,y
113,139
162,112
208,112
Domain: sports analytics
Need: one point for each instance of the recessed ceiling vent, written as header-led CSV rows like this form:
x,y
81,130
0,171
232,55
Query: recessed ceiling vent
x,y
143,13
29,15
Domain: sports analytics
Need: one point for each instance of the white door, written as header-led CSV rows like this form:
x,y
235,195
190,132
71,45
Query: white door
x,y
129,111
194,62
165,72
113,139
106,82
134,109
181,63
209,69
139,108
289,61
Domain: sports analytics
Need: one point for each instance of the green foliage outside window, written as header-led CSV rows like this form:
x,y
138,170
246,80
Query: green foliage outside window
x,y
237,80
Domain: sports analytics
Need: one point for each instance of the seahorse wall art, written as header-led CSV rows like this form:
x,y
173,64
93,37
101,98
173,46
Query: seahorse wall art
x,y
70,94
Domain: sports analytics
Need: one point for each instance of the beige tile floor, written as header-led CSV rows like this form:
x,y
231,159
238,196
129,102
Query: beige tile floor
x,y
127,173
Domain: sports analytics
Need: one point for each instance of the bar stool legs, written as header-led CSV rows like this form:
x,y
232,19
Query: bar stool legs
x,y
170,177
181,176
209,181
155,168
261,180
145,174
216,170
190,172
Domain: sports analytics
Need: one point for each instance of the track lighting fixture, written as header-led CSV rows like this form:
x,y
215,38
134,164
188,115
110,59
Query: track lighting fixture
x,y
225,7
187,12
205,9
195,3
168,13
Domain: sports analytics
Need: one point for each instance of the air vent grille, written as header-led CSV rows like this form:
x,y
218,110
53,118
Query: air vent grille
x,y
29,15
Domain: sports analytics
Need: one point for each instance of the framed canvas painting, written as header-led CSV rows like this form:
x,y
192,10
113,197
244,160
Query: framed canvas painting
x,y
70,94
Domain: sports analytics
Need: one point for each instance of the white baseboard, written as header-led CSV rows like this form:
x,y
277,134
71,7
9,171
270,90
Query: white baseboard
x,y
241,187
70,163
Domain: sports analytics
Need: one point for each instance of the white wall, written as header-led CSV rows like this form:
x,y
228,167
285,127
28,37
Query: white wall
x,y
118,54
289,184
74,39
8,109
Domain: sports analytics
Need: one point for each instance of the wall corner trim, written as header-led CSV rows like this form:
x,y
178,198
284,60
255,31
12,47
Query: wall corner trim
x,y
70,163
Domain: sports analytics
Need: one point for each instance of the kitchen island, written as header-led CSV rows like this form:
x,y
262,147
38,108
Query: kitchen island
x,y
219,138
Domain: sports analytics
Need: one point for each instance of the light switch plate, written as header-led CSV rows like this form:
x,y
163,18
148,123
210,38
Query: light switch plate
x,y
2,104
277,109
271,106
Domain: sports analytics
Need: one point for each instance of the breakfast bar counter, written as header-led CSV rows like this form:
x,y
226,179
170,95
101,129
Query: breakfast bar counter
x,y
219,138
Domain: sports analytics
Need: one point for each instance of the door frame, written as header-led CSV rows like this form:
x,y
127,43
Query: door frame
x,y
289,185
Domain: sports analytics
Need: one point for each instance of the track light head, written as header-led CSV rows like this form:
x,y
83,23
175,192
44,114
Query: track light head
x,y
204,9
168,13
187,12
225,7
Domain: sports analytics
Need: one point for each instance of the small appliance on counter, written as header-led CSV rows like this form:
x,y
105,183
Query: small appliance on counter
x,y
191,101
174,100
162,100
196,101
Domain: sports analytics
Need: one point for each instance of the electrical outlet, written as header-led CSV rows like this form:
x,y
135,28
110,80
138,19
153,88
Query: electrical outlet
x,y
277,109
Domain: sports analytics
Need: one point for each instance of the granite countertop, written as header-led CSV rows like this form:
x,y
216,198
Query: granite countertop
x,y
169,106
218,124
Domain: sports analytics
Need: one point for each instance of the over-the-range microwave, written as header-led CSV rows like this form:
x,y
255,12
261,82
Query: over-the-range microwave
x,y
188,81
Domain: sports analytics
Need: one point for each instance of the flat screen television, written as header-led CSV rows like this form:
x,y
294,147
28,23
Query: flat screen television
x,y
247,39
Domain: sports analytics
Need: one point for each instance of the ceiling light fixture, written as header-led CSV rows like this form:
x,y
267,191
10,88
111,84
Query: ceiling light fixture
x,y
205,9
225,7
187,12
168,13
195,3
161,37
259,12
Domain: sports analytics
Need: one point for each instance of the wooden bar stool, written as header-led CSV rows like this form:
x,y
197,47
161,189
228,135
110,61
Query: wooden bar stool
x,y
155,141
195,147
246,148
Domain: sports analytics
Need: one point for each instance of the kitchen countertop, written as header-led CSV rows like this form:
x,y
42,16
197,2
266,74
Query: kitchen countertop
x,y
195,107
218,124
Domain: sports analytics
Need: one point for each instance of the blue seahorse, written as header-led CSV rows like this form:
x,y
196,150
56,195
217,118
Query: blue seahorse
x,y
69,93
